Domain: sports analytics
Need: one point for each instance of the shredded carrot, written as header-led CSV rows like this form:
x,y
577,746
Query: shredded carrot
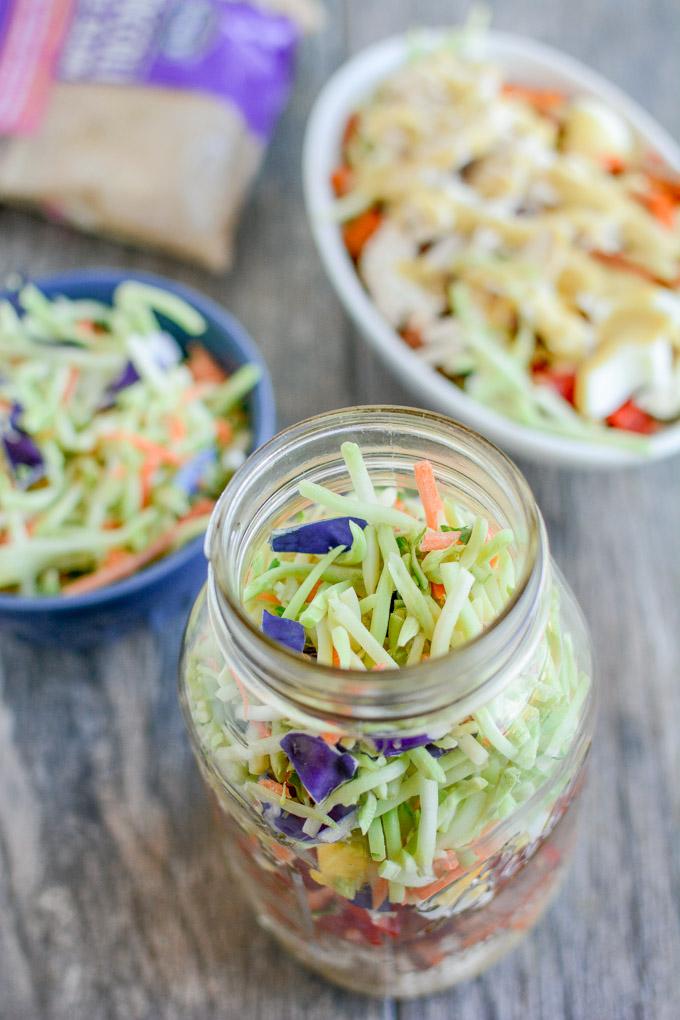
x,y
125,565
379,889
438,591
114,556
412,336
429,494
271,784
493,562
351,128
243,692
341,180
443,865
282,853
617,261
613,164
313,591
426,891
263,730
660,205
128,563
670,185
544,101
356,232
266,596
336,659
146,474
177,428
71,385
92,326
199,509
203,367
196,392
224,430
145,445
401,507
437,540
330,737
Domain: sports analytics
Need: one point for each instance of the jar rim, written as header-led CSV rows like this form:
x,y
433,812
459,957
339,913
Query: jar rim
x,y
376,684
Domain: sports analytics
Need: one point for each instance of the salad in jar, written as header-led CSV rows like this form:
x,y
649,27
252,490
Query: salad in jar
x,y
415,851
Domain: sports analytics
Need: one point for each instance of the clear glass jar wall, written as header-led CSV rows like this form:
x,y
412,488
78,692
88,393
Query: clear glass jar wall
x,y
513,709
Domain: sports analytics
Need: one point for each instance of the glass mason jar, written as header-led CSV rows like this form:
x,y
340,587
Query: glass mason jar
x,y
507,812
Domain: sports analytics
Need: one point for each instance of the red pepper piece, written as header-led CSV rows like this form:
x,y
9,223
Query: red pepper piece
x,y
633,419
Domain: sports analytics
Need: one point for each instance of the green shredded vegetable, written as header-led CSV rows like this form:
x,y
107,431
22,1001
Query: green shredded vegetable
x,y
113,444
411,798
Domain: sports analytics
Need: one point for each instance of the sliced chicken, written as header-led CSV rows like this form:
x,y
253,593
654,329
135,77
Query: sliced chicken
x,y
399,298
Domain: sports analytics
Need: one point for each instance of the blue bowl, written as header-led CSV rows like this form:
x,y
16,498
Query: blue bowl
x,y
166,588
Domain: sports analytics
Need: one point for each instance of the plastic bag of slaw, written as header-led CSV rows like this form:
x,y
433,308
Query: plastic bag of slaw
x,y
143,120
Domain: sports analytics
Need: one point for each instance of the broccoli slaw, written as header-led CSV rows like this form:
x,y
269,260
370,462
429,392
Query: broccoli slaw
x,y
406,816
521,242
114,445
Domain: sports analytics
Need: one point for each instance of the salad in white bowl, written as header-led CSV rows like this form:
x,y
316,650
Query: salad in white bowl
x,y
504,227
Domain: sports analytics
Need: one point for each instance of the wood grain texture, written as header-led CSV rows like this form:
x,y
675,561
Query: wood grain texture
x,y
114,901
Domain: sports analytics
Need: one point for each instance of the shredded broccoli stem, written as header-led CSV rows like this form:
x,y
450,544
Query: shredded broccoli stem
x,y
316,573
445,784
458,581
427,829
108,444
373,513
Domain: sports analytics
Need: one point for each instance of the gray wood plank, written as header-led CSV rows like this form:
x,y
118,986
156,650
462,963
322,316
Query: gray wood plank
x,y
114,898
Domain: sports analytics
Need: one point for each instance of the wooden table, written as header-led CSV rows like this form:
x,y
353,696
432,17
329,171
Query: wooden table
x,y
114,902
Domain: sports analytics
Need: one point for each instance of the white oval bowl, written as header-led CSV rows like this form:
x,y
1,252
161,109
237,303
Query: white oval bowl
x,y
531,63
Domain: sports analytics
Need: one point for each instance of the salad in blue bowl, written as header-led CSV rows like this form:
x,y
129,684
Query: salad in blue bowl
x,y
127,401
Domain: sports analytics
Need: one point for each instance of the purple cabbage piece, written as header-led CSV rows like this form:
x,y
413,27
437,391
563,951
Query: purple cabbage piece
x,y
364,898
291,826
14,416
23,454
320,767
166,353
189,476
21,450
285,823
317,537
392,746
435,751
288,633
127,377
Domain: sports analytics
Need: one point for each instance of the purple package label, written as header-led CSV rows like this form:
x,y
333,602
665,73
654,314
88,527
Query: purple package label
x,y
232,51
229,50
